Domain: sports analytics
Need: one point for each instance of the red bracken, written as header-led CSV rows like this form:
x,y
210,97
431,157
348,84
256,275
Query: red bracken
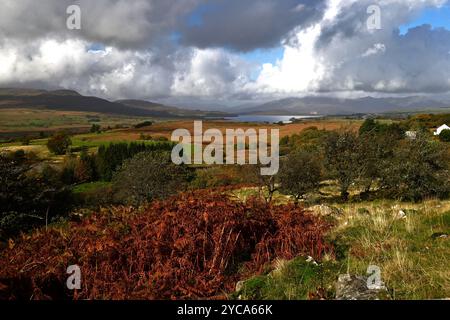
x,y
195,245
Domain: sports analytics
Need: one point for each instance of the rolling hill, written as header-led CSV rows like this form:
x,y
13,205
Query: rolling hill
x,y
171,111
68,100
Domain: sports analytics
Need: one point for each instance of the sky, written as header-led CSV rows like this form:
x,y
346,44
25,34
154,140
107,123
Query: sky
x,y
228,52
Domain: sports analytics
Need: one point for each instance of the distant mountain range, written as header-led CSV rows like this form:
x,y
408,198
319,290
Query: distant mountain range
x,y
68,100
165,111
335,106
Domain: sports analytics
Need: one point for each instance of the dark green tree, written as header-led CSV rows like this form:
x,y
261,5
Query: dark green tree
x,y
343,160
376,149
28,201
301,173
419,169
148,176
369,125
96,128
445,136
110,158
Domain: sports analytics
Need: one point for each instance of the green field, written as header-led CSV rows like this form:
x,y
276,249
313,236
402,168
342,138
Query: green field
x,y
19,120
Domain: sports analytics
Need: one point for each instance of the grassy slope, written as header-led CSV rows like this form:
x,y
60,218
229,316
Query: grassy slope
x,y
37,120
413,260
414,263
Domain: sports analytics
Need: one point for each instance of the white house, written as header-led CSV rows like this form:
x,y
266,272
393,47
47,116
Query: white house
x,y
440,129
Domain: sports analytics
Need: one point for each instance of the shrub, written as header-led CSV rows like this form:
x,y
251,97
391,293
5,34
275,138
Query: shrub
x,y
311,138
67,175
19,155
143,124
445,136
96,128
93,194
25,141
59,143
145,137
188,247
148,176
370,126
221,176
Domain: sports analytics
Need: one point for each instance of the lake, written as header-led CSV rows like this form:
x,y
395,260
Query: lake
x,y
267,119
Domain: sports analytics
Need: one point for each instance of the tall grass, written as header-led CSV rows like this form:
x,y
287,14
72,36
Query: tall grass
x,y
400,238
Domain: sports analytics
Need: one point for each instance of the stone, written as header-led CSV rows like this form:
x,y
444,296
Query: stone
x,y
351,287
324,210
240,286
401,214
439,235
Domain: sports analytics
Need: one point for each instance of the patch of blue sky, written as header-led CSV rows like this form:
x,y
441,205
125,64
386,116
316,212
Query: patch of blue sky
x,y
259,57
262,56
96,47
436,17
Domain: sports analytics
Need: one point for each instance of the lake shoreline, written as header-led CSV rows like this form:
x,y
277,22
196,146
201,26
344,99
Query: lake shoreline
x,y
269,118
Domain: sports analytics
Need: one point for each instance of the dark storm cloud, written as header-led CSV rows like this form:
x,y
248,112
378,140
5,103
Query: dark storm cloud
x,y
123,23
247,25
187,48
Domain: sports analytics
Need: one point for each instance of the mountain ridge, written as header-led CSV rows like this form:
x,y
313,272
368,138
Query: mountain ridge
x,y
70,100
337,106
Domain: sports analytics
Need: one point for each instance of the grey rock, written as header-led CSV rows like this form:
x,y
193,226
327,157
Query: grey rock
x,y
351,287
324,210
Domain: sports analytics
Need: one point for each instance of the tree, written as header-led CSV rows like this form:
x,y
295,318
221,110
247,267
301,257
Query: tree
x,y
59,143
369,125
445,136
109,158
95,128
419,169
342,159
143,124
267,185
300,173
25,141
84,170
310,137
148,176
376,148
27,201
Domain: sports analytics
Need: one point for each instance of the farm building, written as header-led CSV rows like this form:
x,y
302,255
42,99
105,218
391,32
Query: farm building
x,y
440,129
